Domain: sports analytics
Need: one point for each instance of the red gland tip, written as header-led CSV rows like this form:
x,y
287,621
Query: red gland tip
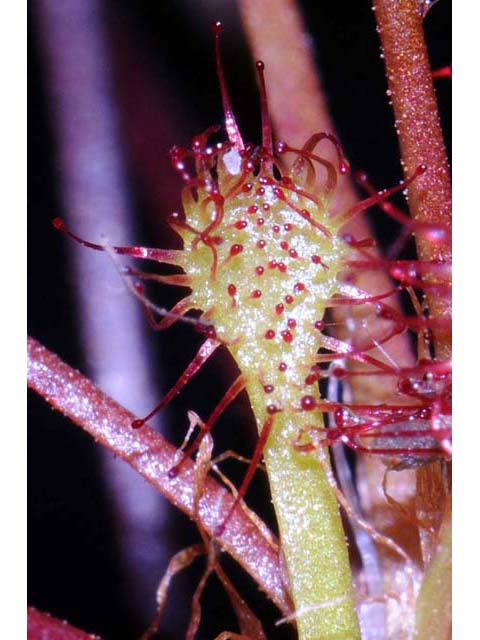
x,y
138,423
272,409
260,65
58,224
308,403
217,27
206,329
173,472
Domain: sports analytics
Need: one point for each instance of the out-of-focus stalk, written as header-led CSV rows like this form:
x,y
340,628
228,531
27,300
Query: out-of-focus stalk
x,y
96,205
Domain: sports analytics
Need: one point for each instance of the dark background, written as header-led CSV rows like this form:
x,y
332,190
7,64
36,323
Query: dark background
x,y
74,571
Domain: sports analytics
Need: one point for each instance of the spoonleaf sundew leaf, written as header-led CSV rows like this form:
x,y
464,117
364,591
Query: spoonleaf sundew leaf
x,y
264,260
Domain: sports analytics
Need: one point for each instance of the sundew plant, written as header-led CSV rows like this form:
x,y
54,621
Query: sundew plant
x,y
318,295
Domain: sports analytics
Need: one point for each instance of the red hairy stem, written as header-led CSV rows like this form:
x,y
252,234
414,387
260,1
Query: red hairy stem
x,y
152,456
42,626
410,82
420,136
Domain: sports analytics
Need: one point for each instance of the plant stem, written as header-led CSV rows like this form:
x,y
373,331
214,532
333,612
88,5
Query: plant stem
x,y
42,626
312,537
153,456
115,340
410,85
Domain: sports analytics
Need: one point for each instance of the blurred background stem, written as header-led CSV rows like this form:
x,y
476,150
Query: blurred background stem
x,y
117,344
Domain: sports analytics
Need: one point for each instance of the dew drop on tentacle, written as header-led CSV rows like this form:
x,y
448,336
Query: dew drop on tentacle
x,y
308,403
